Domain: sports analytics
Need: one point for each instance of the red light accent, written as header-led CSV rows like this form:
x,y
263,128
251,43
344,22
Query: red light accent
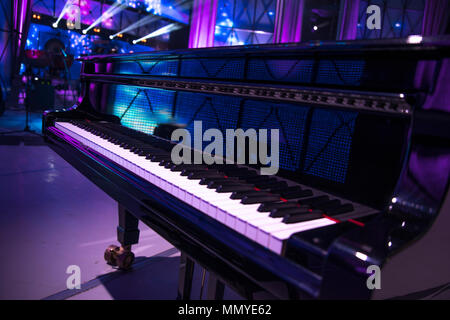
x,y
257,189
225,177
283,199
330,218
356,222
310,210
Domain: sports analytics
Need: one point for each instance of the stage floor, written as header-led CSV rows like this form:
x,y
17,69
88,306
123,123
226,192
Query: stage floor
x,y
52,217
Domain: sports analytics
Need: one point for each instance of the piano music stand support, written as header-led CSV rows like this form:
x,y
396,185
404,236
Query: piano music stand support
x,y
216,288
186,273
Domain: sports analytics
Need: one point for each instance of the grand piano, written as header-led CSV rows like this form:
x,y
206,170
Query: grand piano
x,y
359,208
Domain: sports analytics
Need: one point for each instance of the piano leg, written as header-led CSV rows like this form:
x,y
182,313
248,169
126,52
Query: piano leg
x,y
216,288
127,230
185,278
127,235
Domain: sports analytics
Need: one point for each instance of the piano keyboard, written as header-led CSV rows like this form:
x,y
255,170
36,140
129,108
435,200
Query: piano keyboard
x,y
265,209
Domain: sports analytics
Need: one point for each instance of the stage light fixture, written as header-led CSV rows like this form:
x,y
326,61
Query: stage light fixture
x,y
414,39
167,29
137,24
114,9
67,5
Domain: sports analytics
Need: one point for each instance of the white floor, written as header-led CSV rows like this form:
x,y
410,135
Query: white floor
x,y
52,217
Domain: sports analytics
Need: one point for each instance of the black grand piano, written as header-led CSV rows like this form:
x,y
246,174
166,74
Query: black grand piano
x,y
364,162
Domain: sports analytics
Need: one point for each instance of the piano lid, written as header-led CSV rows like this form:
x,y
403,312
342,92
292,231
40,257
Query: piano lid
x,y
387,66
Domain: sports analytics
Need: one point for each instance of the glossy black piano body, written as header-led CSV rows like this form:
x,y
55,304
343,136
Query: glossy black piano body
x,y
367,101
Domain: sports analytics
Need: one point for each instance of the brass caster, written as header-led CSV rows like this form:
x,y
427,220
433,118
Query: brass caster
x,y
119,256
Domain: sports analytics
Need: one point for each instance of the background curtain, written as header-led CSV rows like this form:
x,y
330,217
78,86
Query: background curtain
x,y
288,21
435,19
17,17
348,20
203,23
21,23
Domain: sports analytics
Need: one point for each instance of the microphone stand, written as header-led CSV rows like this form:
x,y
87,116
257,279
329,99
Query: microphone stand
x,y
27,100
28,86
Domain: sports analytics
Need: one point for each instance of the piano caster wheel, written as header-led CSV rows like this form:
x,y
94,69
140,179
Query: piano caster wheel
x,y
125,260
110,254
119,256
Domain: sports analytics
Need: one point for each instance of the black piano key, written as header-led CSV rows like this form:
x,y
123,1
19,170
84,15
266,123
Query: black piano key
x,y
186,173
286,189
278,189
232,168
276,186
266,184
204,174
314,200
267,207
240,173
242,194
142,153
253,199
297,194
281,212
233,188
160,153
256,178
159,157
328,205
246,172
166,163
315,214
207,181
345,208
225,182
141,150
189,167
219,166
